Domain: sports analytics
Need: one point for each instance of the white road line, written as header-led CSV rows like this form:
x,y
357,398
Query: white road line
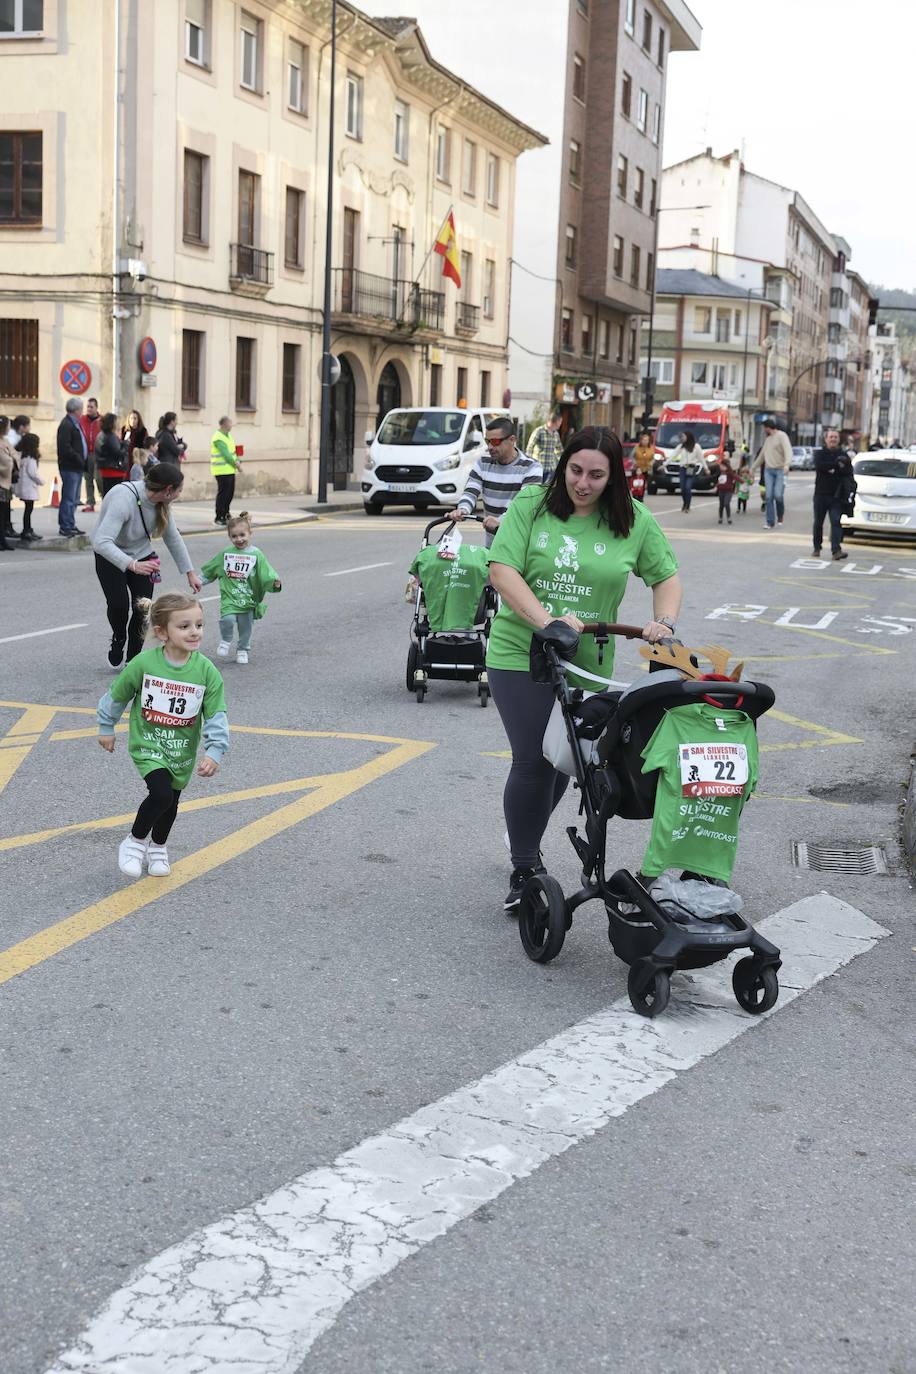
x,y
33,634
366,567
251,1293
209,598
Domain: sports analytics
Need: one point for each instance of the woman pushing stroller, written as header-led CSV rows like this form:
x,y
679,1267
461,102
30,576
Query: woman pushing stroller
x,y
565,554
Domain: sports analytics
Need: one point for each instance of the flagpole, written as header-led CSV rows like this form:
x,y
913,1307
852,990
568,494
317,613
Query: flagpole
x,y
432,246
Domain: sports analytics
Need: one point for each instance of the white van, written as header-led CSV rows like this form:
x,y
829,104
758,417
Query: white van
x,y
422,457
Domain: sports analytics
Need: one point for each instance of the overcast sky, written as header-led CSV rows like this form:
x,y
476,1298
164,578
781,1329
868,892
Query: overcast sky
x,y
818,92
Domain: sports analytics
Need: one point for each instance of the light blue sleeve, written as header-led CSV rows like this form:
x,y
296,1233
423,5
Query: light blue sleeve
x,y
109,713
216,736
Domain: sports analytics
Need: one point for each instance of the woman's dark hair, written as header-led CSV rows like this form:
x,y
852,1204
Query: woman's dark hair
x,y
139,425
108,422
615,505
28,446
158,478
690,440
166,419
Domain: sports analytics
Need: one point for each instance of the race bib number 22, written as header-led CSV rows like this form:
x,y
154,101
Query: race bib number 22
x,y
713,770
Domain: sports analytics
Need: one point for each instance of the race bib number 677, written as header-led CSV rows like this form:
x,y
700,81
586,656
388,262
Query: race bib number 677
x,y
239,566
713,770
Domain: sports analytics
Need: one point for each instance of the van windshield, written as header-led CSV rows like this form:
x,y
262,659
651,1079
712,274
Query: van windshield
x,y
420,428
706,433
885,467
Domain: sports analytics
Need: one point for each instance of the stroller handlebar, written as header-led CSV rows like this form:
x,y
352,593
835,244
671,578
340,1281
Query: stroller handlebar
x,y
604,630
447,520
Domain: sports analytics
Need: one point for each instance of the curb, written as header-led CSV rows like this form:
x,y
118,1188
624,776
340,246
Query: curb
x,y
332,507
59,544
909,817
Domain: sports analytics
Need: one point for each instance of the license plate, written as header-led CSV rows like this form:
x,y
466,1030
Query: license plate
x,y
885,517
401,486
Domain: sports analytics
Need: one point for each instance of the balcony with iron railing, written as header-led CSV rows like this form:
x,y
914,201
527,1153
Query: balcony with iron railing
x,y
251,270
388,302
467,318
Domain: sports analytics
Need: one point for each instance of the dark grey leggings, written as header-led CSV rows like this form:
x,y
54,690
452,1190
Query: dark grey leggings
x,y
534,786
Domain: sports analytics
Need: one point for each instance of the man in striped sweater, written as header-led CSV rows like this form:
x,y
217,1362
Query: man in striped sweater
x,y
498,477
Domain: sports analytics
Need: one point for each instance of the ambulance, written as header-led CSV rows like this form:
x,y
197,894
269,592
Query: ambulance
x,y
716,427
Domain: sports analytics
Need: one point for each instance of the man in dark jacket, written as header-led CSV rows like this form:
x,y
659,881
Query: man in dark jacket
x,y
72,458
833,476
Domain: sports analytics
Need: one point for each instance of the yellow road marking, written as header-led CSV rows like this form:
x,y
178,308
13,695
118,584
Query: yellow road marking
x,y
807,801
22,737
91,732
834,591
37,948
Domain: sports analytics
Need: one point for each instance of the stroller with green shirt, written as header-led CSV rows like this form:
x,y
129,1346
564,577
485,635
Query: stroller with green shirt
x,y
680,749
454,606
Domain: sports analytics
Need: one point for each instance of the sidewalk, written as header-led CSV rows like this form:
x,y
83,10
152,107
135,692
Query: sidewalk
x,y
193,517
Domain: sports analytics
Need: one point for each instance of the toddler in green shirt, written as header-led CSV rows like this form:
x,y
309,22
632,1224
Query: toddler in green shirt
x,y
245,577
175,696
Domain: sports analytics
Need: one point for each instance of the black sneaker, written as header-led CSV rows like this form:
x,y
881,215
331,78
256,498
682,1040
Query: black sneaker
x,y
518,880
116,653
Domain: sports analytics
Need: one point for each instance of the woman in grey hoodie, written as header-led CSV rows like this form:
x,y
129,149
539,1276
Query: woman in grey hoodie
x,y
133,514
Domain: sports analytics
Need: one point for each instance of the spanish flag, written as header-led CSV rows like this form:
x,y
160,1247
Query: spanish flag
x,y
447,245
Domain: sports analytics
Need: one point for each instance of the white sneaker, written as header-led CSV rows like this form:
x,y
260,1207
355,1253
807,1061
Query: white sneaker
x,y
157,860
131,853
242,656
222,648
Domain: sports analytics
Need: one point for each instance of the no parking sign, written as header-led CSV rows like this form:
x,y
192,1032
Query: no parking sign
x,y
148,354
75,377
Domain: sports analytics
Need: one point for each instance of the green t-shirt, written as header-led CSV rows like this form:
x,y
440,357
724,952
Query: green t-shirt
x,y
244,576
574,567
708,762
168,710
452,587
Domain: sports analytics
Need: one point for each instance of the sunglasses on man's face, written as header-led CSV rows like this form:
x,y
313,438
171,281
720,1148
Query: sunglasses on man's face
x,y
495,443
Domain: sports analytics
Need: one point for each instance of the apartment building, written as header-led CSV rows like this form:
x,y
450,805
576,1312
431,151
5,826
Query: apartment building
x,y
857,401
731,222
162,247
893,388
708,342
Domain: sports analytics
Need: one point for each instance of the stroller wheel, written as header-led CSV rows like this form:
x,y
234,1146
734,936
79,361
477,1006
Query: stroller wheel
x,y
421,691
649,988
756,988
542,918
483,692
413,661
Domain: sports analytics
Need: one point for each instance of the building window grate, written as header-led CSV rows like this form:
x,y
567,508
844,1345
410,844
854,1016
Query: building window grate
x,y
847,858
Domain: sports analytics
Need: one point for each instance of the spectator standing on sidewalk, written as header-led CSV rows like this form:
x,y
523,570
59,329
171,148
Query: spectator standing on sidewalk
x,y
29,486
7,459
112,461
776,454
833,476
134,433
224,464
497,478
90,424
72,460
169,448
545,445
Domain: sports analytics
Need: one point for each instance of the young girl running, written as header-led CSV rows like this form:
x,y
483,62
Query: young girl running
x,y
245,577
175,694
744,487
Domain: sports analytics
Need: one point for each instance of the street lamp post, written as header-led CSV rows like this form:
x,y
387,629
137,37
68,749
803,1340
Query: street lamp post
x,y
324,443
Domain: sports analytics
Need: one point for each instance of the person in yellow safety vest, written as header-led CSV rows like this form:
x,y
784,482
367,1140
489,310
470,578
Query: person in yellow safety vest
x,y
224,464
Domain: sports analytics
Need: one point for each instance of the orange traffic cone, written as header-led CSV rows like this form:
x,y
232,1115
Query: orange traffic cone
x,y
55,493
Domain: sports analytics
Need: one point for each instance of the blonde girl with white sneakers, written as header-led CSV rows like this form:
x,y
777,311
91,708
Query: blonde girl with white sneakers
x,y
176,698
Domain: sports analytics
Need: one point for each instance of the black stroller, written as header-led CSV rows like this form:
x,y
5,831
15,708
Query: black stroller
x,y
439,649
616,728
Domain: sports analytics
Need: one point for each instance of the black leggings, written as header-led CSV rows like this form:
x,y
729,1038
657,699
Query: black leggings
x,y
122,591
725,504
27,517
533,786
157,811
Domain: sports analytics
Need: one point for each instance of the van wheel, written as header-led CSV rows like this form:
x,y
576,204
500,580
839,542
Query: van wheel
x,y
372,507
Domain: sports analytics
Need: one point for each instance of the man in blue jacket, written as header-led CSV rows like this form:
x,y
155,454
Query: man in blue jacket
x,y
832,482
72,461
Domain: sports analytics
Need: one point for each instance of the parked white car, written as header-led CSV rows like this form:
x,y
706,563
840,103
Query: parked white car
x,y
885,495
422,457
802,457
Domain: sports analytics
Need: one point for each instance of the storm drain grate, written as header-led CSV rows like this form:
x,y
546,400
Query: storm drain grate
x,y
847,858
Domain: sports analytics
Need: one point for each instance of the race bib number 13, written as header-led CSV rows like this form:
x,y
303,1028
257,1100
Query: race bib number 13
x,y
170,703
713,770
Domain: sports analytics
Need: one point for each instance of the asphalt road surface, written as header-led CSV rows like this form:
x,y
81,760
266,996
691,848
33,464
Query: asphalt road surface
x,y
464,1160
